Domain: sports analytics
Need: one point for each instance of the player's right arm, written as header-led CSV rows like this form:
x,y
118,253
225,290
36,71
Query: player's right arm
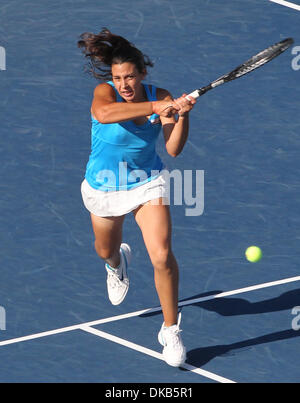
x,y
106,109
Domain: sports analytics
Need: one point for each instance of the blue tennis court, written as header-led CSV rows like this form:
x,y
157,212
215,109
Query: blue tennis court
x,y
240,320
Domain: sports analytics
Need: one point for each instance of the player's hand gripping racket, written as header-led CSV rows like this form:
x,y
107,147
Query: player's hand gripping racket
x,y
256,61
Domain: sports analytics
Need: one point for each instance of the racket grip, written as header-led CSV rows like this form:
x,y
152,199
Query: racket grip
x,y
195,94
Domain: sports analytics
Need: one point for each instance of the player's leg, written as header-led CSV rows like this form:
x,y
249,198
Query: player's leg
x,y
155,223
108,237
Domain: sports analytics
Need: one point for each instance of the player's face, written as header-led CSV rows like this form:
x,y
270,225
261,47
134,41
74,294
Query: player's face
x,y
128,81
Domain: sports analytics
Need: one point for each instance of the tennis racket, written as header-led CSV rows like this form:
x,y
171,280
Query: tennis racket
x,y
256,61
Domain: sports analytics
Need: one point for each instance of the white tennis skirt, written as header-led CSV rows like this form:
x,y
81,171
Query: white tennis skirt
x,y
118,203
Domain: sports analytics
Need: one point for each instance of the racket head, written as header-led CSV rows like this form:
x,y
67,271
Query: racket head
x,y
253,63
260,59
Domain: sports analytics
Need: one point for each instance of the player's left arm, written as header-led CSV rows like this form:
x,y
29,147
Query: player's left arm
x,y
176,129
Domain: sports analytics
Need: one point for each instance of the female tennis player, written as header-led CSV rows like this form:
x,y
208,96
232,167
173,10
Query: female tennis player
x,y
124,173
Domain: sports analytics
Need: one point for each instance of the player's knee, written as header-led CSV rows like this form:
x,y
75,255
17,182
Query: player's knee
x,y
161,258
105,252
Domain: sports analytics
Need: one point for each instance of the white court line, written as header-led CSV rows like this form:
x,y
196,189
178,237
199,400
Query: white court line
x,y
152,353
287,4
147,311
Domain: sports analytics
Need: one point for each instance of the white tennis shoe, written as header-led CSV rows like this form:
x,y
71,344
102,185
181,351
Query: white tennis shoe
x,y
174,351
117,279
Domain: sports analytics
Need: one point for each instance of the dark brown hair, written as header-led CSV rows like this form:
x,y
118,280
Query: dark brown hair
x,y
105,49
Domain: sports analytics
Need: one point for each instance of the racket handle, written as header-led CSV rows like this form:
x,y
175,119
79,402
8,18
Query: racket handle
x,y
201,91
195,94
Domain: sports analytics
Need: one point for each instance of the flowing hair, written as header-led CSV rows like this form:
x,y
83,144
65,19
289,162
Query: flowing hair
x,y
105,49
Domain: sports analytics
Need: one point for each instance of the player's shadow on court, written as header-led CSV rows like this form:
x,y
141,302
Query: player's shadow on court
x,y
200,356
228,306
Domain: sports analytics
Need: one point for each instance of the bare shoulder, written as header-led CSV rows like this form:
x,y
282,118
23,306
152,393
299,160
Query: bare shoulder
x,y
163,94
104,94
104,90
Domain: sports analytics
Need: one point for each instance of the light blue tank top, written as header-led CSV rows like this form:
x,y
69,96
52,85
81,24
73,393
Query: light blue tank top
x,y
123,155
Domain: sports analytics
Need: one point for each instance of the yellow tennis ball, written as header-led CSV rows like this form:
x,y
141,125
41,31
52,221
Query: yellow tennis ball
x,y
253,254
